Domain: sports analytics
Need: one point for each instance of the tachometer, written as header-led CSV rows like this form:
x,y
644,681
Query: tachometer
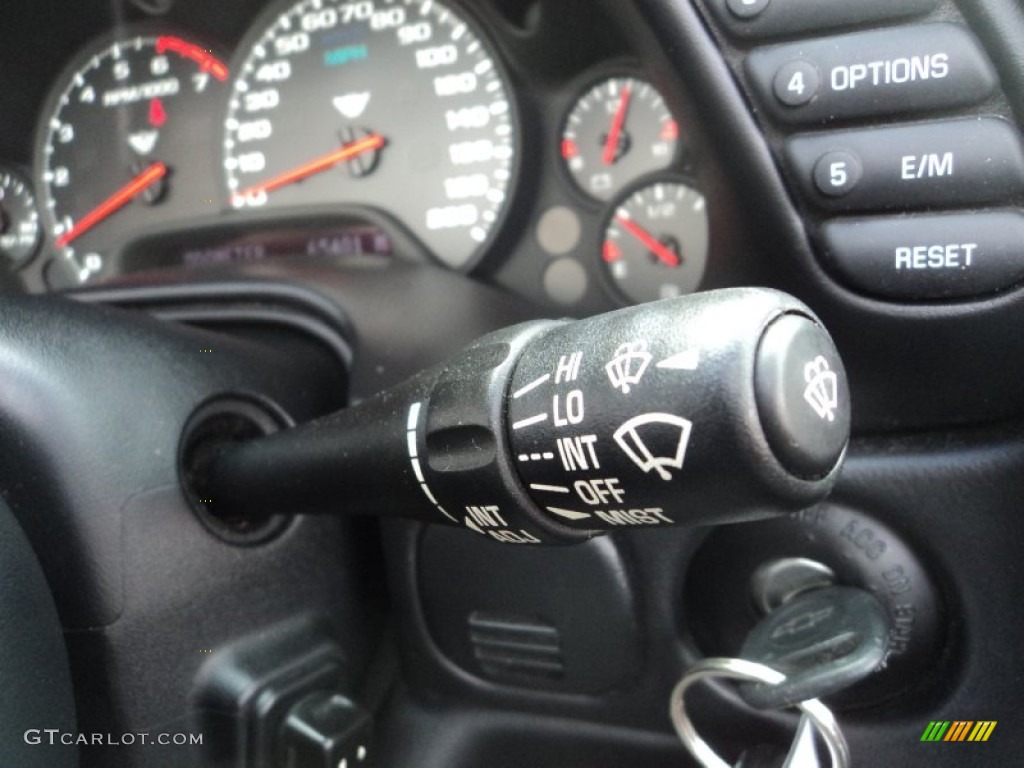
x,y
398,105
123,121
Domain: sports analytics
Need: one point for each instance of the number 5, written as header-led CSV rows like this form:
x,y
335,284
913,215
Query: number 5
x,y
837,174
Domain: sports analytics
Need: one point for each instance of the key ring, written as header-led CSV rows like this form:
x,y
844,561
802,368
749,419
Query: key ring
x,y
748,671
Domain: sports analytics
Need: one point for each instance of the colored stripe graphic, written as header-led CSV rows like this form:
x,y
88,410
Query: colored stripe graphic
x,y
935,731
958,730
982,730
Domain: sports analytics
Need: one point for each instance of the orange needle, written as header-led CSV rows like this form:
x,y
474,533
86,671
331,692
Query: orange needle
x,y
152,174
611,144
650,241
322,163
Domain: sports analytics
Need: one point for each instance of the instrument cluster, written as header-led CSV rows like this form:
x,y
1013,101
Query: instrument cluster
x,y
370,128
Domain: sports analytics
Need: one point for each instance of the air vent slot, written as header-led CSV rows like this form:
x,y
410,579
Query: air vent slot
x,y
510,646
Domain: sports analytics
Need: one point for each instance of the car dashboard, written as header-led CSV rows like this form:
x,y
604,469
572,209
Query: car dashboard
x,y
291,206
502,174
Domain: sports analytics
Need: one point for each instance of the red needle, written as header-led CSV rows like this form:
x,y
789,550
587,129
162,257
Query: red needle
x,y
611,144
322,163
154,173
650,241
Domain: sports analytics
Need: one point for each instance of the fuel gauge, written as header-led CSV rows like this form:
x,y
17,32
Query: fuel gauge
x,y
19,219
656,241
618,131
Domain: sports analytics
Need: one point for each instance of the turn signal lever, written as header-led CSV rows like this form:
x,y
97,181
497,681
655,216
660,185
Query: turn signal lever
x,y
718,407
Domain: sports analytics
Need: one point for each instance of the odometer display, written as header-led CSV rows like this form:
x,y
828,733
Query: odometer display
x,y
397,105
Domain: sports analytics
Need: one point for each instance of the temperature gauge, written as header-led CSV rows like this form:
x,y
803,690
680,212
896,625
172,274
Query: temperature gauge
x,y
656,241
19,219
618,131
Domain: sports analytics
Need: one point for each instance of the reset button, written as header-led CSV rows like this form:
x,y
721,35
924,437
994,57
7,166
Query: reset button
x,y
928,256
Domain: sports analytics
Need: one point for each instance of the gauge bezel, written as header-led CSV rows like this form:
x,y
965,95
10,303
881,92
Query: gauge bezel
x,y
591,81
25,176
496,53
612,286
58,88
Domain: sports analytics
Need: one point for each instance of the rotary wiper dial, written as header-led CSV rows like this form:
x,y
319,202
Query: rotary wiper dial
x,y
718,407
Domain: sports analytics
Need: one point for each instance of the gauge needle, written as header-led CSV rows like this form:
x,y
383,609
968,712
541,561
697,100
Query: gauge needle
x,y
322,163
152,174
649,241
611,144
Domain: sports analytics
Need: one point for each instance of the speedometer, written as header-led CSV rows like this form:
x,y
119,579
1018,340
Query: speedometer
x,y
397,105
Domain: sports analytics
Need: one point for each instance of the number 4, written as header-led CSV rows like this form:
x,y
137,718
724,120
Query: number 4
x,y
796,84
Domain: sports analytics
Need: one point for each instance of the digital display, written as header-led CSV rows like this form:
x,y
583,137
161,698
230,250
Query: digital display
x,y
347,241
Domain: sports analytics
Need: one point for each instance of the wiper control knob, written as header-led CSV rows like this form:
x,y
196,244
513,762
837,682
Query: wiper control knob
x,y
717,407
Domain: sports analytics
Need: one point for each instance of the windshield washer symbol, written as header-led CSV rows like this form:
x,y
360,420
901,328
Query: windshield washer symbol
x,y
629,365
822,392
635,436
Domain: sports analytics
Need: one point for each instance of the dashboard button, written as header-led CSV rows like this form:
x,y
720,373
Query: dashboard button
x,y
928,257
895,71
956,162
768,18
802,396
747,9
837,173
797,83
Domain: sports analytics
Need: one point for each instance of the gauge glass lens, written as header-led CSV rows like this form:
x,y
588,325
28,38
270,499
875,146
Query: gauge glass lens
x,y
19,219
398,105
121,124
656,242
617,132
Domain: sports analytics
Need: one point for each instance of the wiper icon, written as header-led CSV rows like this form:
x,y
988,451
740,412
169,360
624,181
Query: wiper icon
x,y
822,392
661,429
628,366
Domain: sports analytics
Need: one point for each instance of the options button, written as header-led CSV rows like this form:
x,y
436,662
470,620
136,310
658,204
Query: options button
x,y
898,71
